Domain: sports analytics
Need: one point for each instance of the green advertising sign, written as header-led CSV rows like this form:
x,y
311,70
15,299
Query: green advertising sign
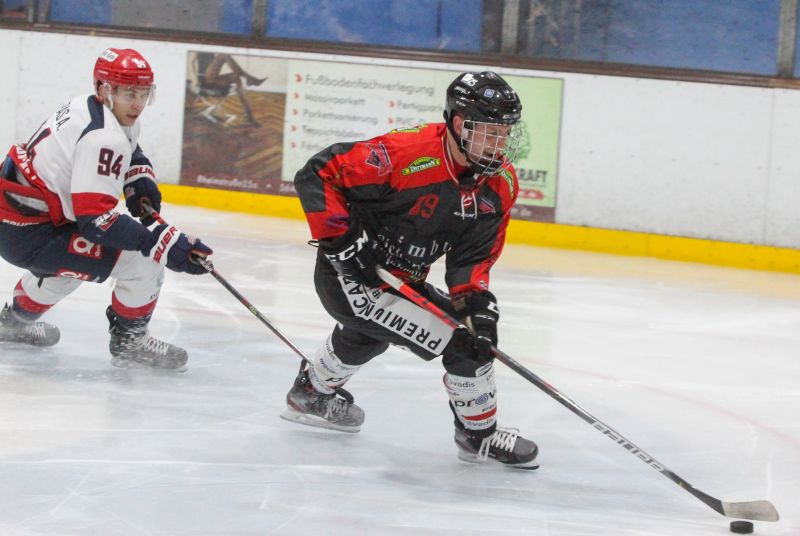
x,y
537,160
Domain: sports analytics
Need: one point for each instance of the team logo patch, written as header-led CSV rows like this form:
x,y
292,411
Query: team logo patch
x,y
421,164
105,221
485,206
378,157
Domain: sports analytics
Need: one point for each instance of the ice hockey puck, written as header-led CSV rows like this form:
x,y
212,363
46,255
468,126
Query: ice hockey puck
x,y
741,527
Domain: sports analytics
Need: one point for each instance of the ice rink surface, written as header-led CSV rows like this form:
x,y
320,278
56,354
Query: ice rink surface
x,y
697,365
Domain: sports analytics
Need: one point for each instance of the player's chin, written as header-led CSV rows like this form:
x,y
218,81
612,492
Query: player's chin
x,y
130,120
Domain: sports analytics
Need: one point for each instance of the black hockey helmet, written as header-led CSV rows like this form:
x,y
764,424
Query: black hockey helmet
x,y
482,98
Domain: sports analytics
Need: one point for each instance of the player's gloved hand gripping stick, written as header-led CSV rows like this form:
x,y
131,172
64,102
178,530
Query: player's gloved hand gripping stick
x,y
209,267
756,510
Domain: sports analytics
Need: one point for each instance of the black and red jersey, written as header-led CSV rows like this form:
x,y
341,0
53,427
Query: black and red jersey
x,y
403,188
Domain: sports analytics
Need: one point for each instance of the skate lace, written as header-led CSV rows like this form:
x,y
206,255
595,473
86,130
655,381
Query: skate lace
x,y
502,438
336,406
36,330
155,346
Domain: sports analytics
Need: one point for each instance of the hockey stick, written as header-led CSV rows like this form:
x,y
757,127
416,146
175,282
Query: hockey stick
x,y
205,263
755,510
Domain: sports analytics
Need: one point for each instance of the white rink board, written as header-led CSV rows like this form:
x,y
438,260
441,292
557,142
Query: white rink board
x,y
783,189
9,95
668,156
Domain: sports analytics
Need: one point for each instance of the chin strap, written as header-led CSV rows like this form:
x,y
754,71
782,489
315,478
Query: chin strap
x,y
107,93
467,183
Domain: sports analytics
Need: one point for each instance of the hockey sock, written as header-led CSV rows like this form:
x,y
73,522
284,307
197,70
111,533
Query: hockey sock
x,y
326,371
473,400
131,317
34,296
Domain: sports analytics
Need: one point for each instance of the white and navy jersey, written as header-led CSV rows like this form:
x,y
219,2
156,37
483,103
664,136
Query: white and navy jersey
x,y
82,156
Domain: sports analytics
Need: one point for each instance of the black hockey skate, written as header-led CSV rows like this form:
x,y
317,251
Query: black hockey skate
x,y
505,445
14,329
306,405
133,347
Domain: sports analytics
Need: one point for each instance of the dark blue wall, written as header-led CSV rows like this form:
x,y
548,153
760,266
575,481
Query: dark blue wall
x,y
236,16
433,24
718,35
81,11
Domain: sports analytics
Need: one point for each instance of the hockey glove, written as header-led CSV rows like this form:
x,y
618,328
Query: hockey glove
x,y
169,247
353,256
139,191
479,312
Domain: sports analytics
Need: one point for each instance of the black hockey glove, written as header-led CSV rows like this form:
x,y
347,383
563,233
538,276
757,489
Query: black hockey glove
x,y
479,312
353,256
138,192
169,247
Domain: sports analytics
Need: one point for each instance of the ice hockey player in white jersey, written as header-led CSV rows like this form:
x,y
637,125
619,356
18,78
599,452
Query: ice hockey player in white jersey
x,y
59,221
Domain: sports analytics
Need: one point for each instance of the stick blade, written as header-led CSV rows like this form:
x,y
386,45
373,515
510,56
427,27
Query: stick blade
x,y
755,510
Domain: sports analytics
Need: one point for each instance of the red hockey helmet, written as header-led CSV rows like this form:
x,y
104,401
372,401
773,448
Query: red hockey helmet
x,y
122,67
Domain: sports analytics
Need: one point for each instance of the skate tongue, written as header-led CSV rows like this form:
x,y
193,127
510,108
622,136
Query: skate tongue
x,y
344,394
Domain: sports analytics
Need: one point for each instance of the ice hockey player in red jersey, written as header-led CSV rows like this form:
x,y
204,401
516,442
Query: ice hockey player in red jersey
x,y
402,200
58,217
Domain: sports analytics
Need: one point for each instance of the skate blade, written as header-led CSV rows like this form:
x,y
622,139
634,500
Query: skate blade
x,y
135,365
469,457
38,344
11,343
317,422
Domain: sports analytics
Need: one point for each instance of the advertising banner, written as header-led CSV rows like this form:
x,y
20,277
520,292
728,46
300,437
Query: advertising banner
x,y
251,122
233,122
